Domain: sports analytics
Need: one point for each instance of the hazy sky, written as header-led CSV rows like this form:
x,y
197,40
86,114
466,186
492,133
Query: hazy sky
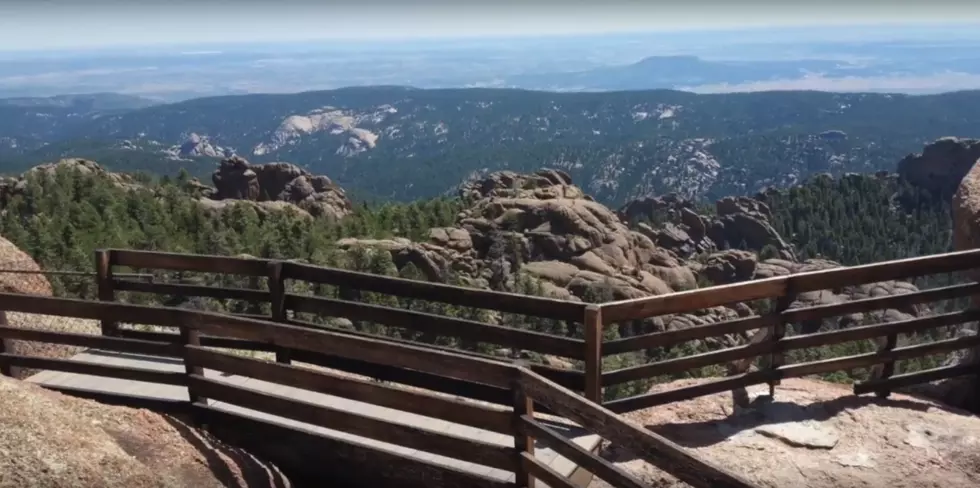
x,y
60,24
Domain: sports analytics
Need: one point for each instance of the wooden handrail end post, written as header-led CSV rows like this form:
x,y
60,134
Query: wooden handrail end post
x,y
103,270
277,291
593,353
523,406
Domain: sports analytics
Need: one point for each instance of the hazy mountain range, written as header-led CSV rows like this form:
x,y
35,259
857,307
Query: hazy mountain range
x,y
903,61
404,143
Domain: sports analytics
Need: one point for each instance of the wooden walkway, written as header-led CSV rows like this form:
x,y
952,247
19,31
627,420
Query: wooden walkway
x,y
112,385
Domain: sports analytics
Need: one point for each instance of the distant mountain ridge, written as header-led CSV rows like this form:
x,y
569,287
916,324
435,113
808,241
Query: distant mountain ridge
x,y
404,143
672,72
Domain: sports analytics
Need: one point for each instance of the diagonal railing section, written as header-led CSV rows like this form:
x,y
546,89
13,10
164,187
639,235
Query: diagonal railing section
x,y
518,424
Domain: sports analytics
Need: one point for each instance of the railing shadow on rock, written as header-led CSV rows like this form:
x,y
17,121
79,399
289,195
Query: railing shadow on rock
x,y
217,402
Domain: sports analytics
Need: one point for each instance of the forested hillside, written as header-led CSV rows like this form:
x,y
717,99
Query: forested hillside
x,y
404,144
60,217
861,219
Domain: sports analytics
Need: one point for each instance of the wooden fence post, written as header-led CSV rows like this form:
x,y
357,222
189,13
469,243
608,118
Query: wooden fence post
x,y
777,358
886,369
6,369
593,353
103,271
254,307
277,291
190,336
523,405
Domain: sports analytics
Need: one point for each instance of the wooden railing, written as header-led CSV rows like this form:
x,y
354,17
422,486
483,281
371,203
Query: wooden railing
x,y
770,342
285,306
200,332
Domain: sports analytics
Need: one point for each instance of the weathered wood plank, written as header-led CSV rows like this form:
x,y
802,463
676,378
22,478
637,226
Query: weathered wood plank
x,y
87,309
568,378
803,282
523,443
420,403
573,452
819,312
371,350
687,301
653,448
103,278
217,292
134,346
671,337
685,363
593,353
919,377
886,271
438,292
539,471
187,262
473,451
338,461
440,325
648,400
878,330
80,367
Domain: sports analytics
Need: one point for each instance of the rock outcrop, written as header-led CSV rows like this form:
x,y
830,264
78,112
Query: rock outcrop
x,y
50,439
962,392
35,284
13,186
739,222
199,146
816,435
542,225
276,184
941,165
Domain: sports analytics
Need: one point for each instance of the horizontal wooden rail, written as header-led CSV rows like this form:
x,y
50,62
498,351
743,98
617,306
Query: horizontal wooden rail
x,y
440,325
877,330
133,346
653,448
221,293
685,363
576,454
542,472
870,359
880,303
448,445
438,292
648,400
569,378
94,369
188,262
372,350
685,301
916,378
421,403
85,309
671,337
836,278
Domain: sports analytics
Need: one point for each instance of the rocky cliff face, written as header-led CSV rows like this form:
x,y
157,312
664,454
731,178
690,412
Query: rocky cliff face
x,y
739,222
12,186
275,184
941,165
962,392
541,225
